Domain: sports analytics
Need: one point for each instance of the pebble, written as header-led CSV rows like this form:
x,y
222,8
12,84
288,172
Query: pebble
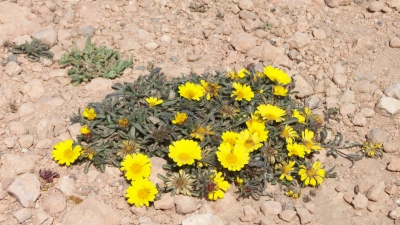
x,y
393,91
54,203
250,214
69,16
298,40
151,46
22,215
376,193
13,69
17,128
13,165
34,89
25,141
347,109
364,86
395,213
360,202
44,129
394,42
225,204
166,202
185,204
224,29
91,211
58,73
391,189
340,188
310,207
359,120
42,218
243,42
193,57
9,142
46,35
375,135
376,6
394,164
66,185
271,208
347,96
302,87
319,34
388,106
26,189
287,215
305,216
391,146
138,211
340,80
244,14
367,112
246,5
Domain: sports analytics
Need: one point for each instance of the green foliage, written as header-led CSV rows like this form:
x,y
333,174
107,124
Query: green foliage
x,y
33,50
94,62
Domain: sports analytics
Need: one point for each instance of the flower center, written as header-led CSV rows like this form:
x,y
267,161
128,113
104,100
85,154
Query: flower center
x,y
128,149
190,94
286,169
311,172
231,158
240,94
143,193
184,156
249,143
180,182
285,133
308,144
270,116
136,168
68,153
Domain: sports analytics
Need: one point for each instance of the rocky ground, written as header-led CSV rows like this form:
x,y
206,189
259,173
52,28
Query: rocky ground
x,y
342,54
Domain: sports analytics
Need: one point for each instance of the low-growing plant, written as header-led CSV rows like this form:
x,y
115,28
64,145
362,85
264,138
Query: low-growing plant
x,y
213,130
94,62
33,50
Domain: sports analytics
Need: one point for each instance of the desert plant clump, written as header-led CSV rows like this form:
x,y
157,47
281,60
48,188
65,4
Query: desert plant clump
x,y
33,50
94,62
213,130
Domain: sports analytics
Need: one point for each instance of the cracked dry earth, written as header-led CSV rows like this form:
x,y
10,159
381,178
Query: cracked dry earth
x,y
343,54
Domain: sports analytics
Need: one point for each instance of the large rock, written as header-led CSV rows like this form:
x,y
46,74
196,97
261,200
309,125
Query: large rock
x,y
12,25
266,52
26,189
393,91
243,42
13,165
394,164
299,40
185,204
388,106
91,212
46,35
203,219
34,89
375,135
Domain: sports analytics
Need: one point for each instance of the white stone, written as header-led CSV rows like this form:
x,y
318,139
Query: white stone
x,y
26,189
185,204
46,35
22,215
99,85
34,89
359,120
298,40
243,42
319,34
13,69
42,218
165,202
13,165
9,142
246,4
66,185
388,106
54,203
376,6
25,141
151,46
302,87
271,208
360,202
393,91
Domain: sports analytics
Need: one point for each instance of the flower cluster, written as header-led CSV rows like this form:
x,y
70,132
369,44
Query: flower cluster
x,y
213,130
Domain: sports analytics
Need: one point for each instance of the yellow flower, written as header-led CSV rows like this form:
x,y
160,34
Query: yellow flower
x,y
64,153
123,122
307,111
184,152
308,142
136,166
275,74
253,119
89,114
180,183
88,152
271,112
234,159
229,137
288,133
250,141
242,73
242,91
300,118
292,194
180,118
295,149
259,129
312,175
84,130
239,181
370,148
201,131
279,91
153,101
141,192
211,89
218,187
286,171
191,91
